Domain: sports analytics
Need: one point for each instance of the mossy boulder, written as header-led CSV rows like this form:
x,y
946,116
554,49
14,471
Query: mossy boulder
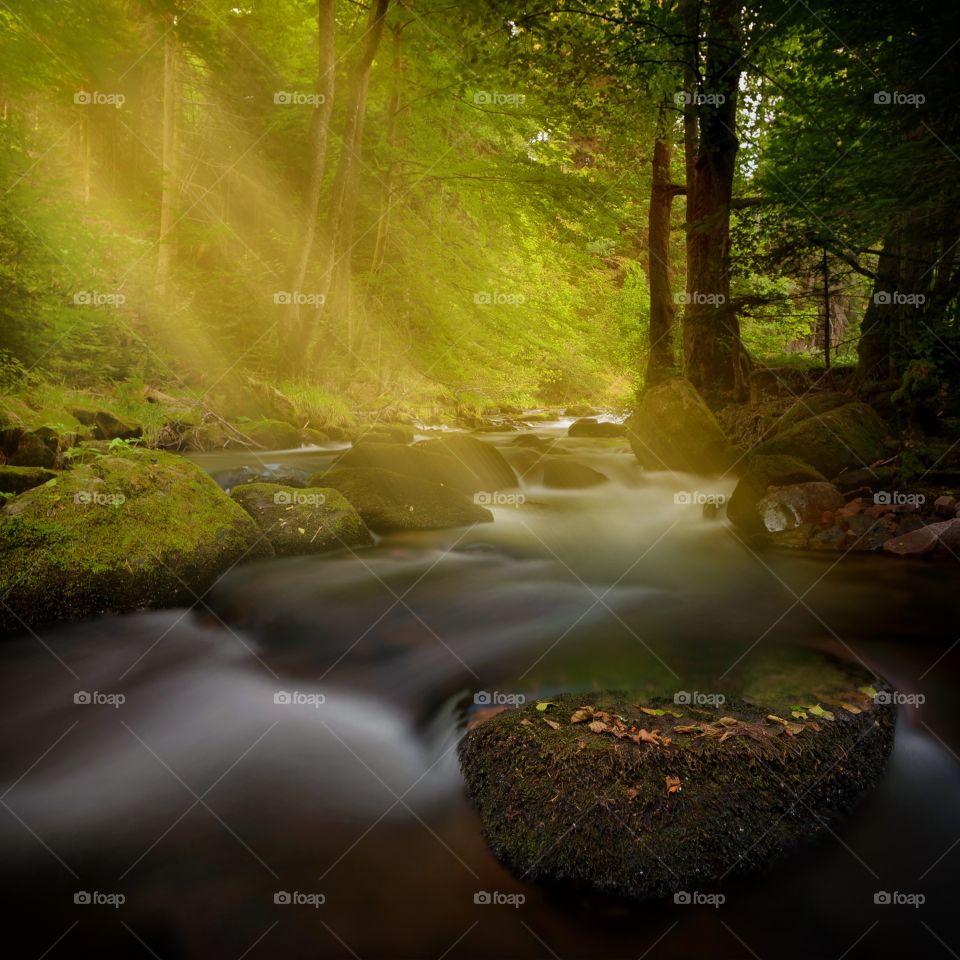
x,y
300,520
31,448
674,429
763,471
565,474
271,434
106,425
846,438
393,501
385,433
463,463
638,796
588,427
141,529
811,406
18,479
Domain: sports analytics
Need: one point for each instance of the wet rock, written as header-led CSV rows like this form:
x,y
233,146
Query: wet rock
x,y
384,433
141,529
847,438
580,410
271,434
945,506
940,537
392,501
760,473
481,465
105,425
797,504
282,473
302,520
596,428
566,474
18,479
874,478
673,429
642,797
811,406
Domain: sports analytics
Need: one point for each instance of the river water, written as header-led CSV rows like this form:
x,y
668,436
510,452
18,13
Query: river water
x,y
292,737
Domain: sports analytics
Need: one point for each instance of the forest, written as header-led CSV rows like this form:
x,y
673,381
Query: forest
x,y
480,479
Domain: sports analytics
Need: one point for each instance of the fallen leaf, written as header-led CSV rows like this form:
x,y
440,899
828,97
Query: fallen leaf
x,y
799,714
597,726
653,711
301,531
868,691
673,785
688,728
545,705
726,722
526,723
818,711
850,708
776,719
551,723
582,715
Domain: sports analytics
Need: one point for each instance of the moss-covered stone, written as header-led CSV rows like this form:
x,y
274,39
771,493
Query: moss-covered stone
x,y
718,790
140,529
673,429
271,434
106,425
587,427
811,406
761,472
18,479
845,438
385,433
392,501
565,474
463,463
298,520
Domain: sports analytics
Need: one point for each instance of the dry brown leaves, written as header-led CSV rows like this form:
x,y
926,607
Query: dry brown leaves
x,y
599,721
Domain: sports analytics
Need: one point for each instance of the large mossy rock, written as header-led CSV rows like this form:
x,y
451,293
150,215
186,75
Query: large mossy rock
x,y
18,479
145,529
563,473
763,471
673,429
637,801
811,406
463,463
300,520
846,438
271,434
394,501
588,427
106,425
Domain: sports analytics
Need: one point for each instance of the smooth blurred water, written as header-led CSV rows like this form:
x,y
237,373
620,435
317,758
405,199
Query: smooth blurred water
x,y
200,798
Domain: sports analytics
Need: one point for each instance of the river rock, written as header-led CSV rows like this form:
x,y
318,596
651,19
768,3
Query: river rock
x,y
105,425
271,434
300,520
393,501
942,537
464,463
588,427
385,433
847,438
673,429
637,796
761,472
811,406
797,504
564,473
141,529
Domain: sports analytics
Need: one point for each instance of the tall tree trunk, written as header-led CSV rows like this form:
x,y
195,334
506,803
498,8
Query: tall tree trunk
x,y
346,183
393,113
690,15
170,186
662,361
712,345
295,334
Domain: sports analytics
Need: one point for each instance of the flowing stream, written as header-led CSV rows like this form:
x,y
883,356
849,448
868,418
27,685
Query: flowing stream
x,y
204,796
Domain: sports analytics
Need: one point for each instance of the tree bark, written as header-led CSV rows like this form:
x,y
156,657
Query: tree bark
x,y
346,183
712,346
294,325
662,361
170,186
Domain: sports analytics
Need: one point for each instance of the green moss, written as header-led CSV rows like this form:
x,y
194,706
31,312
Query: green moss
x,y
271,434
18,479
138,529
571,804
391,501
846,438
302,520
